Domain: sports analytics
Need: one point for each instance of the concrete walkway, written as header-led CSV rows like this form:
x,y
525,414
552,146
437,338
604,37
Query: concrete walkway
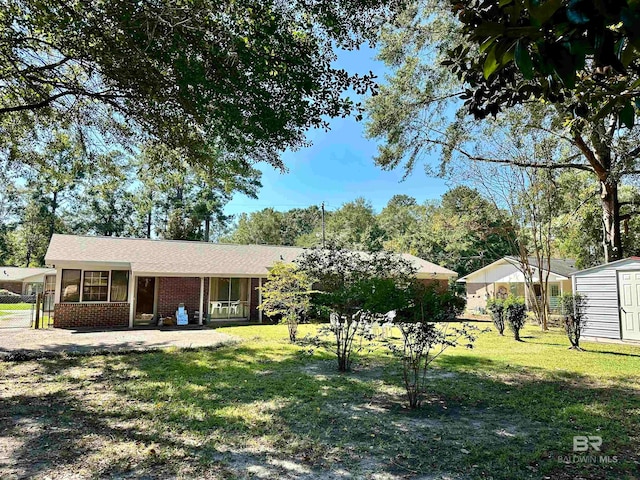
x,y
28,343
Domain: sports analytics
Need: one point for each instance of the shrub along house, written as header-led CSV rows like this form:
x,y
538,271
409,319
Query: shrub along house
x,y
124,282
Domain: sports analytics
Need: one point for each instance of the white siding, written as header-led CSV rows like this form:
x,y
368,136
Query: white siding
x,y
600,286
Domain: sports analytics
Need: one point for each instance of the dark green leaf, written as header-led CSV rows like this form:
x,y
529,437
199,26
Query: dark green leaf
x,y
490,63
523,60
627,115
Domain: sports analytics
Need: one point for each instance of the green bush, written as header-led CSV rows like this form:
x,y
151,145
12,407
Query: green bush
x,y
285,295
515,314
496,310
572,308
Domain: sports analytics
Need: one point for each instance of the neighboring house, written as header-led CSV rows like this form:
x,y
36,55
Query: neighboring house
x,y
612,294
505,276
124,282
24,281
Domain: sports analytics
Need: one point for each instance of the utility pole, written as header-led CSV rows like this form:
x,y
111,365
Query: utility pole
x,y
322,224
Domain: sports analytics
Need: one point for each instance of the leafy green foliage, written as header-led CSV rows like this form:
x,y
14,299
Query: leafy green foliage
x,y
463,231
356,288
286,294
573,309
271,227
515,314
477,56
496,309
553,50
249,76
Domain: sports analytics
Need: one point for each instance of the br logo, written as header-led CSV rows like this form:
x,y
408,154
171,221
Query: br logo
x,y
582,443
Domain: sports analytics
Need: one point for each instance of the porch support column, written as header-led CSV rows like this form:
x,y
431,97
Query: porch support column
x,y
260,299
200,312
132,299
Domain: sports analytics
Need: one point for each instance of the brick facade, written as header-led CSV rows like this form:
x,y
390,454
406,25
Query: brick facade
x,y
442,285
175,290
98,315
254,300
15,287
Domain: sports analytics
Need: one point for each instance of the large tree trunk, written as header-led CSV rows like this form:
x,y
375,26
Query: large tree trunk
x,y
599,156
611,234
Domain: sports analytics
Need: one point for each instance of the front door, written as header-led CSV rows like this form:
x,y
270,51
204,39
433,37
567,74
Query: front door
x,y
145,299
629,285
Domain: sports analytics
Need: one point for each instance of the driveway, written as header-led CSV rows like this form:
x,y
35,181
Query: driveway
x,y
22,342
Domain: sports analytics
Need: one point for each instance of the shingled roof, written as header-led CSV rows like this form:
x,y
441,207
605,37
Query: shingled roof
x,y
174,257
562,266
18,274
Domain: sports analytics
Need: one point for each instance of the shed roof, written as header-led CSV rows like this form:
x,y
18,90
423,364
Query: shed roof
x,y
18,274
614,265
176,257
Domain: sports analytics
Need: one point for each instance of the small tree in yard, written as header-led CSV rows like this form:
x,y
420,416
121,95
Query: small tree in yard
x,y
356,288
496,309
427,333
286,293
572,307
515,314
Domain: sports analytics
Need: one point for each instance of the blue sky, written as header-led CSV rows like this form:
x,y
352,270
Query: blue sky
x,y
338,167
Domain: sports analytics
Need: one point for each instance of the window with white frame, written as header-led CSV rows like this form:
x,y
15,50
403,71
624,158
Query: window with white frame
x,y
95,287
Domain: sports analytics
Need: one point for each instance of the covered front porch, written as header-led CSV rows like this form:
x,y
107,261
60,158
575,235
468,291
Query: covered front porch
x,y
207,300
556,289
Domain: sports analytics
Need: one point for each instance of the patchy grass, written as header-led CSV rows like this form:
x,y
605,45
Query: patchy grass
x,y
15,306
266,409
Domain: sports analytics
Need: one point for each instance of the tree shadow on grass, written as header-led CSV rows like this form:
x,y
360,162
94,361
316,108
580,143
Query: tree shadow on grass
x,y
246,411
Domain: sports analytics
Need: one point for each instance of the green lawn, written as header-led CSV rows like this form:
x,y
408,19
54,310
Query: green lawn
x,y
16,306
264,408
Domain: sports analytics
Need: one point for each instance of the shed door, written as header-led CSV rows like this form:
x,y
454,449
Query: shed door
x,y
629,285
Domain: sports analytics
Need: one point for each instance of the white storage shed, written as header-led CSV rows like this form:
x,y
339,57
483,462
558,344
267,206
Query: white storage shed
x,y
612,292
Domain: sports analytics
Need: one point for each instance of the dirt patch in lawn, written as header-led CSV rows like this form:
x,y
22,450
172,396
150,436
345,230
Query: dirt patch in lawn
x,y
249,412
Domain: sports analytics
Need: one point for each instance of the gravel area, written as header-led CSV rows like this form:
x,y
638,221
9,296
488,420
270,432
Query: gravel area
x,y
28,343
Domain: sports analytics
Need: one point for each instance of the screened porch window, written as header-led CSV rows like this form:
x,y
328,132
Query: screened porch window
x,y
229,298
119,285
70,286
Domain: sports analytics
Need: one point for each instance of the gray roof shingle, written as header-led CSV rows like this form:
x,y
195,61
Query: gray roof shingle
x,y
187,258
562,266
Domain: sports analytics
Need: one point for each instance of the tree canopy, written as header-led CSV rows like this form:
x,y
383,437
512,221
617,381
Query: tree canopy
x,y
453,59
583,52
250,77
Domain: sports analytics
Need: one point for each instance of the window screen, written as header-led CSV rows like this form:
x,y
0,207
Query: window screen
x,y
119,285
70,286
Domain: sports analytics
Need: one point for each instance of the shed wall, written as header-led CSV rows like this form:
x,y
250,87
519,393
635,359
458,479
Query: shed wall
x,y
602,314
